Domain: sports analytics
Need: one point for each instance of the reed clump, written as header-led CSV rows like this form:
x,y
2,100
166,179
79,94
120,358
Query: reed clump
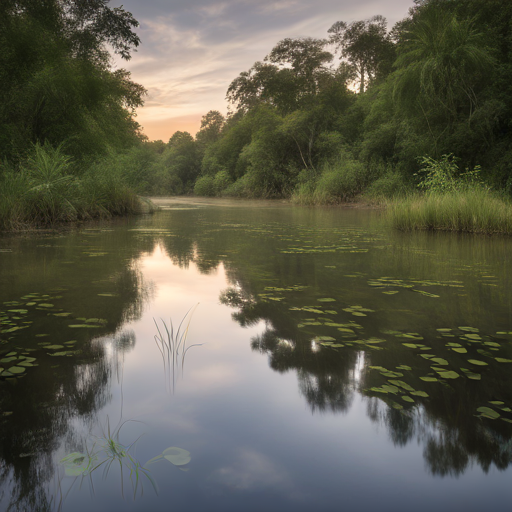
x,y
470,210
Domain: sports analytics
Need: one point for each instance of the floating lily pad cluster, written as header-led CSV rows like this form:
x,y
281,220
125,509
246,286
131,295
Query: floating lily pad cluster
x,y
16,316
494,410
385,283
395,387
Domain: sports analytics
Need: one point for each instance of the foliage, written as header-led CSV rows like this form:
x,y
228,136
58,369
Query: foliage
x,y
45,191
443,175
366,45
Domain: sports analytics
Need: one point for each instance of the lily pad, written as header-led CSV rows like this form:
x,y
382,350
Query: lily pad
x,y
502,360
487,412
477,362
326,299
449,375
175,455
76,463
429,379
16,370
420,393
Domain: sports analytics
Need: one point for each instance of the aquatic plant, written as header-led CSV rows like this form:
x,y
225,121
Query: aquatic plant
x,y
173,346
471,210
107,450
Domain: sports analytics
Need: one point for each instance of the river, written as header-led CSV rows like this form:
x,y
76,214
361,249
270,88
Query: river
x,y
247,356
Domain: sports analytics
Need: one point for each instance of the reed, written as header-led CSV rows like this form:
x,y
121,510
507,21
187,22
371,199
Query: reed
x,y
172,345
471,210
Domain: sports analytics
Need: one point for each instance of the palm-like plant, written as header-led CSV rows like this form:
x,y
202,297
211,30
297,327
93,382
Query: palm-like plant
x,y
442,60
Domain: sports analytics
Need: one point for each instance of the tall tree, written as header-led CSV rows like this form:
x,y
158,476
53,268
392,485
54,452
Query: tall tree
x,y
366,45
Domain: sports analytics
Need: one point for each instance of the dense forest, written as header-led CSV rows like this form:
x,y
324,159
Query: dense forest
x,y
363,110
370,110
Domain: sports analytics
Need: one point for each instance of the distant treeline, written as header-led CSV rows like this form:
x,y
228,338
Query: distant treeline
x,y
322,120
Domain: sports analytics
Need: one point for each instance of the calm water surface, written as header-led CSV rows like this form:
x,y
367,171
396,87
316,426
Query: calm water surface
x,y
332,364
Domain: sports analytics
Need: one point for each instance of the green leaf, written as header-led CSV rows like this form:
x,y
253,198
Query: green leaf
x,y
477,362
487,412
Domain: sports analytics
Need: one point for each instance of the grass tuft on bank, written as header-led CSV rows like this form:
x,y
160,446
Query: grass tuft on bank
x,y
471,210
48,190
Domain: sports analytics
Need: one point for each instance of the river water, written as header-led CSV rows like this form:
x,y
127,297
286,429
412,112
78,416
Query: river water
x,y
324,362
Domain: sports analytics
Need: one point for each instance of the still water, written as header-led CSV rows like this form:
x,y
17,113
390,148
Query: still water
x,y
326,363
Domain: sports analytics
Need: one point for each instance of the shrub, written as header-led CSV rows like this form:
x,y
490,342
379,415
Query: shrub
x,y
205,186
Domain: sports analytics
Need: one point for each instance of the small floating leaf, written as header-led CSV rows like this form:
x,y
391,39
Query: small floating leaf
x,y
501,360
420,393
461,350
46,305
449,375
439,360
175,455
326,300
16,369
477,362
54,347
487,412
429,379
406,398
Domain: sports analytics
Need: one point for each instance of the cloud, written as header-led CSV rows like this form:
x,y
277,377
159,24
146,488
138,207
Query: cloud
x,y
252,471
192,49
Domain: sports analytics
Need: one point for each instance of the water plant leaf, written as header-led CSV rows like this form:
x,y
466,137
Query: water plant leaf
x,y
429,379
449,375
76,463
402,384
46,305
468,329
406,398
403,367
16,370
54,347
90,326
502,360
460,350
487,412
175,455
477,362
420,393
439,360
326,299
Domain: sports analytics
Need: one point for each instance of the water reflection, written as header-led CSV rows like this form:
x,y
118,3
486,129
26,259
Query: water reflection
x,y
299,274
71,379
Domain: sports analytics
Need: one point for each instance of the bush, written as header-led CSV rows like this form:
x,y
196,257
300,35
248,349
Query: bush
x,y
221,181
205,186
391,185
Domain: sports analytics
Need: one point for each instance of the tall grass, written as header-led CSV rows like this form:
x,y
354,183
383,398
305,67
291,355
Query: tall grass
x,y
471,210
46,190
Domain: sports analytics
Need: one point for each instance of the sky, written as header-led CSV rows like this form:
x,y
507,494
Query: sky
x,y
191,50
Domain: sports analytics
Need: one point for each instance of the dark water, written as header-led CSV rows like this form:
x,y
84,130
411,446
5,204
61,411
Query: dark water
x,y
332,365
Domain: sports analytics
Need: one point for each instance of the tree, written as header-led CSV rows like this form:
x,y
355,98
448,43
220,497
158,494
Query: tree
x,y
290,76
57,82
442,67
366,45
211,128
